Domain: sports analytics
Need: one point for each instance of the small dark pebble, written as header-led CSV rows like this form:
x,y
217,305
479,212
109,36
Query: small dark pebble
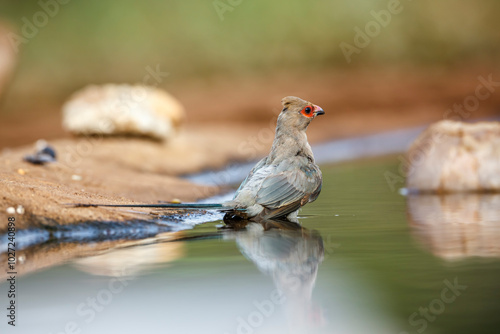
x,y
43,155
48,150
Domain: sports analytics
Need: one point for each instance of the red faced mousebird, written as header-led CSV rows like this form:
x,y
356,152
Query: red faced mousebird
x,y
279,184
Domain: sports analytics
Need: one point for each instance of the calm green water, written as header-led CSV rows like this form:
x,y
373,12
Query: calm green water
x,y
364,260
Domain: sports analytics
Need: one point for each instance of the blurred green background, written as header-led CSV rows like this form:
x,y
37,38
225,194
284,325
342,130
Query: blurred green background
x,y
96,40
233,60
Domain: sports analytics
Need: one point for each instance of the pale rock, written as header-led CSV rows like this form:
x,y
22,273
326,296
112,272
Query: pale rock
x,y
123,110
20,210
8,56
454,156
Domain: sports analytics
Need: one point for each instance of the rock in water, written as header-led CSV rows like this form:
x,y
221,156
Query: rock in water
x,y
123,110
454,156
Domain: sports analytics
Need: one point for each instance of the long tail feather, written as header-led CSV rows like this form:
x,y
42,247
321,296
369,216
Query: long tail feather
x,y
193,206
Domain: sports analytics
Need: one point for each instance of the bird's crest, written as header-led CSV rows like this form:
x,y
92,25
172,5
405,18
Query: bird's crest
x,y
293,101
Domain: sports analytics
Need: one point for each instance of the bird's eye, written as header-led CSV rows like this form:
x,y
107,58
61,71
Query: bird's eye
x,y
307,111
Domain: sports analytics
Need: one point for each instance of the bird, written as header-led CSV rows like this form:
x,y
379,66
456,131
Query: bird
x,y
288,178
280,183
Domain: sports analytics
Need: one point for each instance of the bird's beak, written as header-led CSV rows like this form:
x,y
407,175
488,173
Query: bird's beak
x,y
318,110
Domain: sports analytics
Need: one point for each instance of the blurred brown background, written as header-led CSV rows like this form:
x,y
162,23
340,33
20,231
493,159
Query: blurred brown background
x,y
232,62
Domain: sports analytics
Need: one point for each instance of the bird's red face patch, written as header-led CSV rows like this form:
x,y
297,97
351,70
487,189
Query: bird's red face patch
x,y
311,111
308,111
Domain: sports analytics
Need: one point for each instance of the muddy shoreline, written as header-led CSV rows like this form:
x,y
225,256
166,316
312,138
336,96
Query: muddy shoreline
x,y
109,170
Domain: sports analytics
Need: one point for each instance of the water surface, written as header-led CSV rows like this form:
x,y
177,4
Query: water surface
x,y
364,259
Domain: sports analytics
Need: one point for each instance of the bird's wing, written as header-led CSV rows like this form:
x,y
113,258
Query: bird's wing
x,y
258,166
292,185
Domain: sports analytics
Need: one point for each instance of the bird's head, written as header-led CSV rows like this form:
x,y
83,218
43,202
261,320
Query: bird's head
x,y
298,113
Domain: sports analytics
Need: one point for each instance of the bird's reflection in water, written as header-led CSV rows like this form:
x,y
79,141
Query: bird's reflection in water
x,y
457,226
284,250
291,255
